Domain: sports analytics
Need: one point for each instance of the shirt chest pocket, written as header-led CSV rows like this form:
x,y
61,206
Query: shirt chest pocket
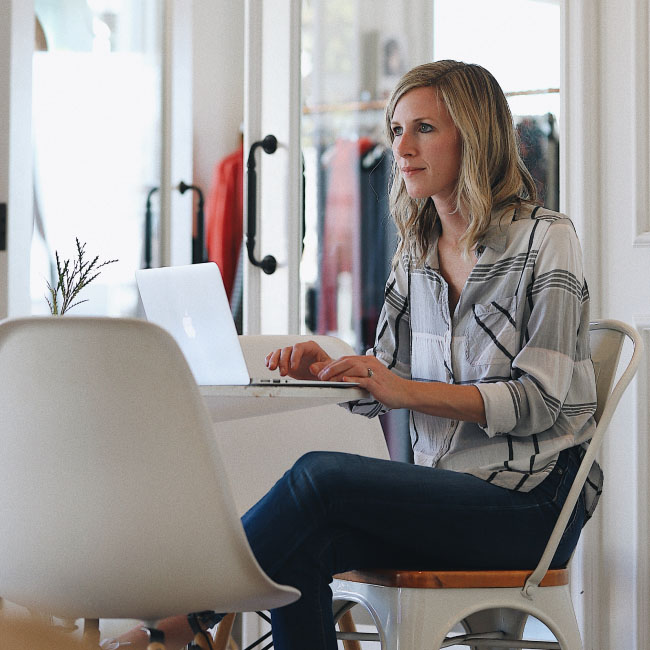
x,y
491,335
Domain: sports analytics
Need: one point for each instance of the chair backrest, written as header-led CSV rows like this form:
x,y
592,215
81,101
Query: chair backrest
x,y
113,494
606,344
258,450
606,339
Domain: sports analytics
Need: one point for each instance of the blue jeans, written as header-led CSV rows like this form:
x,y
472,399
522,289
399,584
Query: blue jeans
x,y
333,512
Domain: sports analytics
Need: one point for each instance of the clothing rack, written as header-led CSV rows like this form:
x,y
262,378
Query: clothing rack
x,y
380,104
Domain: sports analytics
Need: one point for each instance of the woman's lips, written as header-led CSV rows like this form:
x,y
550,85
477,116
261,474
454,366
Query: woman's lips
x,y
410,171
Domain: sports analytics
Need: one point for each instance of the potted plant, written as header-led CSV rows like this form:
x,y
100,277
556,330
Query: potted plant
x,y
72,276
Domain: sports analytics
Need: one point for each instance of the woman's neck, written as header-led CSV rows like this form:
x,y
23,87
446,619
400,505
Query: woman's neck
x,y
452,225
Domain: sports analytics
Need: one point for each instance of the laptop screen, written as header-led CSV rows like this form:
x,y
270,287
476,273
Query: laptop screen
x,y
190,302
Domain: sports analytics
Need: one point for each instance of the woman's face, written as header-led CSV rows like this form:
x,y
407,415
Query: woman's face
x,y
427,146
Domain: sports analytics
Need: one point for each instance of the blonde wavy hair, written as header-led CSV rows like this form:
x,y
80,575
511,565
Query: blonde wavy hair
x,y
492,174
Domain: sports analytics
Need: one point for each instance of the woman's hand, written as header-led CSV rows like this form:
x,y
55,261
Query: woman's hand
x,y
434,398
370,373
297,360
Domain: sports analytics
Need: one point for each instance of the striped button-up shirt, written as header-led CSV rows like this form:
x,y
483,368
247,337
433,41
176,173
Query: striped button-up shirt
x,y
519,333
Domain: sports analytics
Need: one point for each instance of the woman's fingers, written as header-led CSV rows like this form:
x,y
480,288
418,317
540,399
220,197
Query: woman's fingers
x,y
296,360
351,367
279,359
287,356
272,359
316,367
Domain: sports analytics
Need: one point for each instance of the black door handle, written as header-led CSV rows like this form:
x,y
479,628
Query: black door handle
x,y
148,229
198,242
269,263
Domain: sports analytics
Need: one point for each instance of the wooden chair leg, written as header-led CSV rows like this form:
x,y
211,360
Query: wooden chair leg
x,y
222,635
346,624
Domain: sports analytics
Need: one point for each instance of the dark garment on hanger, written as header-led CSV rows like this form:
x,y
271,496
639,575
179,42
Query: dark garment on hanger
x,y
378,239
539,149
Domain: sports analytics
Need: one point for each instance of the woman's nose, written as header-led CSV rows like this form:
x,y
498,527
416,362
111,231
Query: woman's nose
x,y
403,146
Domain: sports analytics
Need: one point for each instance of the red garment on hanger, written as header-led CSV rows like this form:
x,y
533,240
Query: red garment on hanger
x,y
224,214
341,244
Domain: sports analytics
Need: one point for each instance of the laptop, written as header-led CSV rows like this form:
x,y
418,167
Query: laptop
x,y
190,302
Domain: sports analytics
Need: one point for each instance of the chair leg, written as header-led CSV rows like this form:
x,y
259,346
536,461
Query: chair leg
x,y
559,617
222,635
346,624
91,634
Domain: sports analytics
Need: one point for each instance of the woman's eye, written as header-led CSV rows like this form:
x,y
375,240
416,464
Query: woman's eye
x,y
397,130
425,128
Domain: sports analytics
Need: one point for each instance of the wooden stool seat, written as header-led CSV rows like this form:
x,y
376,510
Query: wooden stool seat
x,y
452,579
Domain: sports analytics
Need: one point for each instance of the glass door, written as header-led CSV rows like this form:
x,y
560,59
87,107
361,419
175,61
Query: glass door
x,y
349,55
99,129
352,55
529,75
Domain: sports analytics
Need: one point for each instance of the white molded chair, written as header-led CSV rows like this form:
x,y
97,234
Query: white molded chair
x,y
113,493
417,609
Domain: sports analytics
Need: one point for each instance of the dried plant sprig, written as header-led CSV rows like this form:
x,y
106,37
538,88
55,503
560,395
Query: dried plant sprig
x,y
71,279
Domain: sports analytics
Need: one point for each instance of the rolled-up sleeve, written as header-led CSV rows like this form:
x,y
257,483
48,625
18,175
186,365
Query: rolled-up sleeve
x,y
500,411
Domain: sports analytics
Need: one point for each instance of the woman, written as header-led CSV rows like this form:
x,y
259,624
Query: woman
x,y
501,395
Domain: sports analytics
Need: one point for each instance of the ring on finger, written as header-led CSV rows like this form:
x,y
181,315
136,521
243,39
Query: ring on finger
x,y
370,373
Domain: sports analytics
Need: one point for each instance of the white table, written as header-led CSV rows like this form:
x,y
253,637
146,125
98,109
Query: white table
x,y
237,402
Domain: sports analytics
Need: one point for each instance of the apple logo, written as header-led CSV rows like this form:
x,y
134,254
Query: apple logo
x,y
188,326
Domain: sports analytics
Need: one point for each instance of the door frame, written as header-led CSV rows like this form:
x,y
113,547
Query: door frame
x,y
16,192
272,104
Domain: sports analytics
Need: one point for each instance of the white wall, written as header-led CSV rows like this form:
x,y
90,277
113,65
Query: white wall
x,y
218,54
607,189
625,287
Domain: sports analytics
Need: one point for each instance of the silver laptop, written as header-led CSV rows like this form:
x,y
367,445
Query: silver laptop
x,y
190,302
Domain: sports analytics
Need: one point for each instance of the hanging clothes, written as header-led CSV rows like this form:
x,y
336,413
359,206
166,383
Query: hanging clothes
x,y
539,149
378,240
340,245
357,239
224,213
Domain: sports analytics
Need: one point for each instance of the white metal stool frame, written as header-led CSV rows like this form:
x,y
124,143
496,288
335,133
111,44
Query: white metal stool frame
x,y
414,618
